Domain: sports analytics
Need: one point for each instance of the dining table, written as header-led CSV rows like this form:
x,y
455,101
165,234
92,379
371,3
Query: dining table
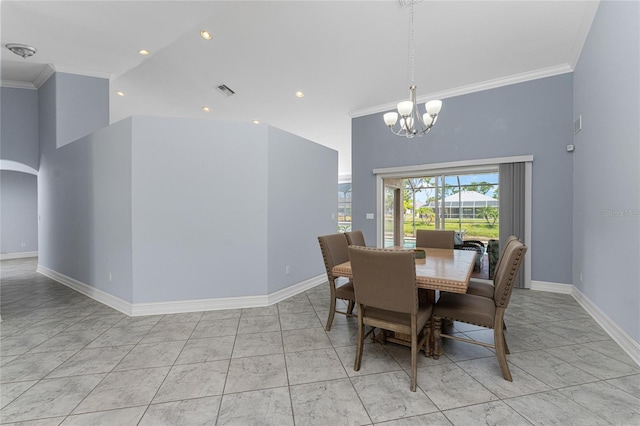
x,y
440,269
436,269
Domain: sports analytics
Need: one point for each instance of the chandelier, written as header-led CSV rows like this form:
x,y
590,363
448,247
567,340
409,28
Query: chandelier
x,y
412,122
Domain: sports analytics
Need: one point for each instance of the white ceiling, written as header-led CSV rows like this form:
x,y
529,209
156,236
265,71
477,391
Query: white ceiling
x,y
349,57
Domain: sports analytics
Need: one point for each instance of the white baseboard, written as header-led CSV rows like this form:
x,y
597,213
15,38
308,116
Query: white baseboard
x,y
630,346
89,291
626,342
552,287
182,306
290,291
22,255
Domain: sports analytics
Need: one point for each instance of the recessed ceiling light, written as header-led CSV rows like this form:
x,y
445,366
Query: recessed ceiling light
x,y
144,52
120,93
206,109
21,49
256,122
205,34
300,94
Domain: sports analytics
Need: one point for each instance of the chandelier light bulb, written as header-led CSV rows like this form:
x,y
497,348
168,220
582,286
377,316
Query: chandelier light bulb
x,y
405,108
390,118
433,107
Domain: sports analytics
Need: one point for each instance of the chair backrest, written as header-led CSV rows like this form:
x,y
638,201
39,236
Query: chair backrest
x,y
510,239
384,279
334,249
506,273
355,238
434,238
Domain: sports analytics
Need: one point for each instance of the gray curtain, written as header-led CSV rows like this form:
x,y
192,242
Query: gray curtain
x,y
512,189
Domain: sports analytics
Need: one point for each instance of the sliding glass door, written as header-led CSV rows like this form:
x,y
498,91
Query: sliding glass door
x,y
464,201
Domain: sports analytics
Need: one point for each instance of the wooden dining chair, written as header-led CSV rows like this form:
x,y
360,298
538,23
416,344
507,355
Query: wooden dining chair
x,y
334,249
428,238
483,288
483,311
385,286
355,238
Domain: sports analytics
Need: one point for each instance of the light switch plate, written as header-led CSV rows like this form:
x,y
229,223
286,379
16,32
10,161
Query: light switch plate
x,y
369,215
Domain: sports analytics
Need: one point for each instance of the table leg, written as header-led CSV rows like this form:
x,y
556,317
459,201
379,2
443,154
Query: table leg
x,y
436,350
426,296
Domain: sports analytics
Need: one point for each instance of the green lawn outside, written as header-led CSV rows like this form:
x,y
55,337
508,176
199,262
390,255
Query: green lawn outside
x,y
479,228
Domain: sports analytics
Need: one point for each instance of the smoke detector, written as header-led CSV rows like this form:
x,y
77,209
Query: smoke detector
x,y
21,49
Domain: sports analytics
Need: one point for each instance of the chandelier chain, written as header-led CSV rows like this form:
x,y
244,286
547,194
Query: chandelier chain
x,y
412,48
413,122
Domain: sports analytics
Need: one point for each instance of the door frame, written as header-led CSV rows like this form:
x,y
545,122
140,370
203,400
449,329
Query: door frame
x,y
457,167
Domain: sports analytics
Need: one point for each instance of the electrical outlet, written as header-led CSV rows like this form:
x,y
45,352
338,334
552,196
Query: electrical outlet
x,y
110,277
287,270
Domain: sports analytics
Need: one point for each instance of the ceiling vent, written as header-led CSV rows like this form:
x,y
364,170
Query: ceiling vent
x,y
406,3
225,90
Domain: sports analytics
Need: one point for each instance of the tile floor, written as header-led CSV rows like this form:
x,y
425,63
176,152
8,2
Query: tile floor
x,y
68,360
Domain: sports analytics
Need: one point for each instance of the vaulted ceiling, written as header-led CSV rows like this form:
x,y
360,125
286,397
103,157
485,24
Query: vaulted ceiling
x,y
349,58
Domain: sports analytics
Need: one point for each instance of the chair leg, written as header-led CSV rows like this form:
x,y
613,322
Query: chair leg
x,y
498,338
435,328
360,347
506,348
350,307
414,360
427,340
332,312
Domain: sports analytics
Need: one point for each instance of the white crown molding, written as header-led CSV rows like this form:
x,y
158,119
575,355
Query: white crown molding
x,y
88,73
21,255
472,88
17,84
43,76
591,7
47,72
626,342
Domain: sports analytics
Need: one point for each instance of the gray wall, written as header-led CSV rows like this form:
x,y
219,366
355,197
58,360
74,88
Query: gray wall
x,y
534,117
18,191
84,191
303,188
19,126
18,212
199,209
164,210
606,207
82,106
